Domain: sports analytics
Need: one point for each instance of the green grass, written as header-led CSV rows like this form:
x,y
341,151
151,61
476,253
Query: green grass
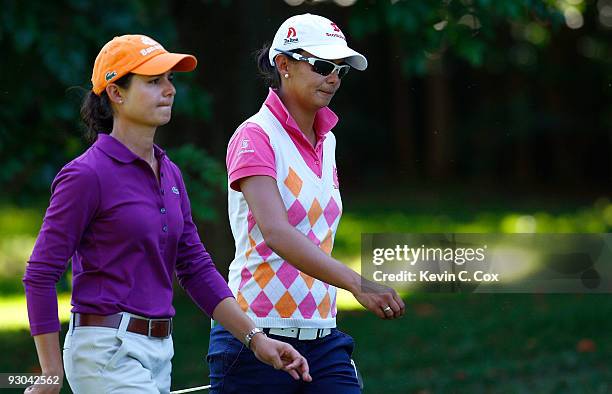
x,y
459,343
487,343
463,343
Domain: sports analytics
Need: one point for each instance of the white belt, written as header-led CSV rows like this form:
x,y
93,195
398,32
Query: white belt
x,y
299,333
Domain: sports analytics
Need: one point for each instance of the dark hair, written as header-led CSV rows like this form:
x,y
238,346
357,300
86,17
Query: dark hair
x,y
97,113
268,72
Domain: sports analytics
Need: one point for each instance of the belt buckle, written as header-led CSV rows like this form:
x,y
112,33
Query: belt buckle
x,y
149,327
307,334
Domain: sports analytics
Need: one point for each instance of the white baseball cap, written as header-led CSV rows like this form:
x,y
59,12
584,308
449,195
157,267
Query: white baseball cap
x,y
317,35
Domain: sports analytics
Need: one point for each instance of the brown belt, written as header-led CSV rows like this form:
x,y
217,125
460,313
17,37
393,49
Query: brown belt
x,y
156,328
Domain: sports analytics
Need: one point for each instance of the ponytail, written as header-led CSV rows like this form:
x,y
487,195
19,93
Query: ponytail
x,y
97,112
267,71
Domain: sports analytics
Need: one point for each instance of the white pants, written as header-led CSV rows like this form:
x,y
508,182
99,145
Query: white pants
x,y
109,360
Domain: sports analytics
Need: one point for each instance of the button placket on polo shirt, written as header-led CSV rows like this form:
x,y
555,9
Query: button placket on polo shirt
x,y
313,151
317,158
161,185
162,210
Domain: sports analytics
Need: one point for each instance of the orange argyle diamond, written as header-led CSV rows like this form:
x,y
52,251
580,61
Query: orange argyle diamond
x,y
324,306
252,242
244,305
293,182
327,244
308,279
315,211
263,274
286,305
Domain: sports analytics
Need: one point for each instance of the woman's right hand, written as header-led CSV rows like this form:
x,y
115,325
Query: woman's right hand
x,y
280,355
381,300
49,356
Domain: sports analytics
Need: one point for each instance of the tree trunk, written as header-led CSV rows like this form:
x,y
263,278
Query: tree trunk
x,y
439,136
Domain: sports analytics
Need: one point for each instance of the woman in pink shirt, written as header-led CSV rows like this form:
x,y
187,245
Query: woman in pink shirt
x,y
284,208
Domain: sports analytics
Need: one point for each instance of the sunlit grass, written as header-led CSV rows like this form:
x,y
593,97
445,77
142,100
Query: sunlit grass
x,y
596,218
19,226
19,221
14,312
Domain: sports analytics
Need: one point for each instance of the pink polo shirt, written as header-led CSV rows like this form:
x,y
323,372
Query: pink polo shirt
x,y
250,153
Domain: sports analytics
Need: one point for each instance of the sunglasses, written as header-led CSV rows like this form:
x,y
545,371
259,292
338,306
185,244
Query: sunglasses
x,y
320,66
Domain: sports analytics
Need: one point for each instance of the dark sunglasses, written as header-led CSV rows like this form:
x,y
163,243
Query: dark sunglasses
x,y
320,66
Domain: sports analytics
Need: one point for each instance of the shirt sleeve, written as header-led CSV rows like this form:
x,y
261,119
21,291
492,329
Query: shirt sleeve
x,y
249,153
75,194
195,269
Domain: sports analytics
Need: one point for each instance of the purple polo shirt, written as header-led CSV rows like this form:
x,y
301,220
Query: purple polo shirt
x,y
126,233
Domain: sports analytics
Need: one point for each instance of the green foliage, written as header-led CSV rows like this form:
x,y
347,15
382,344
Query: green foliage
x,y
52,47
204,177
425,31
190,100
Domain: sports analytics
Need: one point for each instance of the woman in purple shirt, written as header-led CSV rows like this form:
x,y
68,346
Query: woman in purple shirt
x,y
121,212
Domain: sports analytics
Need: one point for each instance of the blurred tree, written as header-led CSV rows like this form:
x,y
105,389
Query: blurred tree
x,y
48,50
204,175
428,35
477,90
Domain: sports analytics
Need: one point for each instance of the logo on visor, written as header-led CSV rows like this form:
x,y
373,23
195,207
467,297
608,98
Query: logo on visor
x,y
335,27
175,190
291,36
110,75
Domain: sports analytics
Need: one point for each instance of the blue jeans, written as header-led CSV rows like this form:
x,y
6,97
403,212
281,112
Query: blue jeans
x,y
234,368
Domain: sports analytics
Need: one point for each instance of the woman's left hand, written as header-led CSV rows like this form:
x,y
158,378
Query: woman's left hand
x,y
280,355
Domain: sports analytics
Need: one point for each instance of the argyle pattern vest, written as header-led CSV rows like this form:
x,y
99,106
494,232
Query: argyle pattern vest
x,y
269,289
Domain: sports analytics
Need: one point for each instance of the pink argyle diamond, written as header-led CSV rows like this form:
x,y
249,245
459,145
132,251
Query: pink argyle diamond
x,y
296,213
308,306
261,305
287,274
250,221
313,238
263,250
246,275
331,211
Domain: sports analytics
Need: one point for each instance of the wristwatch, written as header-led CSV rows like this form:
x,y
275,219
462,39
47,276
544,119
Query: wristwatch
x,y
248,337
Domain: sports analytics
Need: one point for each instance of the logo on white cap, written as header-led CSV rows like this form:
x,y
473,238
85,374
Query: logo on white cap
x,y
291,36
336,29
317,35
